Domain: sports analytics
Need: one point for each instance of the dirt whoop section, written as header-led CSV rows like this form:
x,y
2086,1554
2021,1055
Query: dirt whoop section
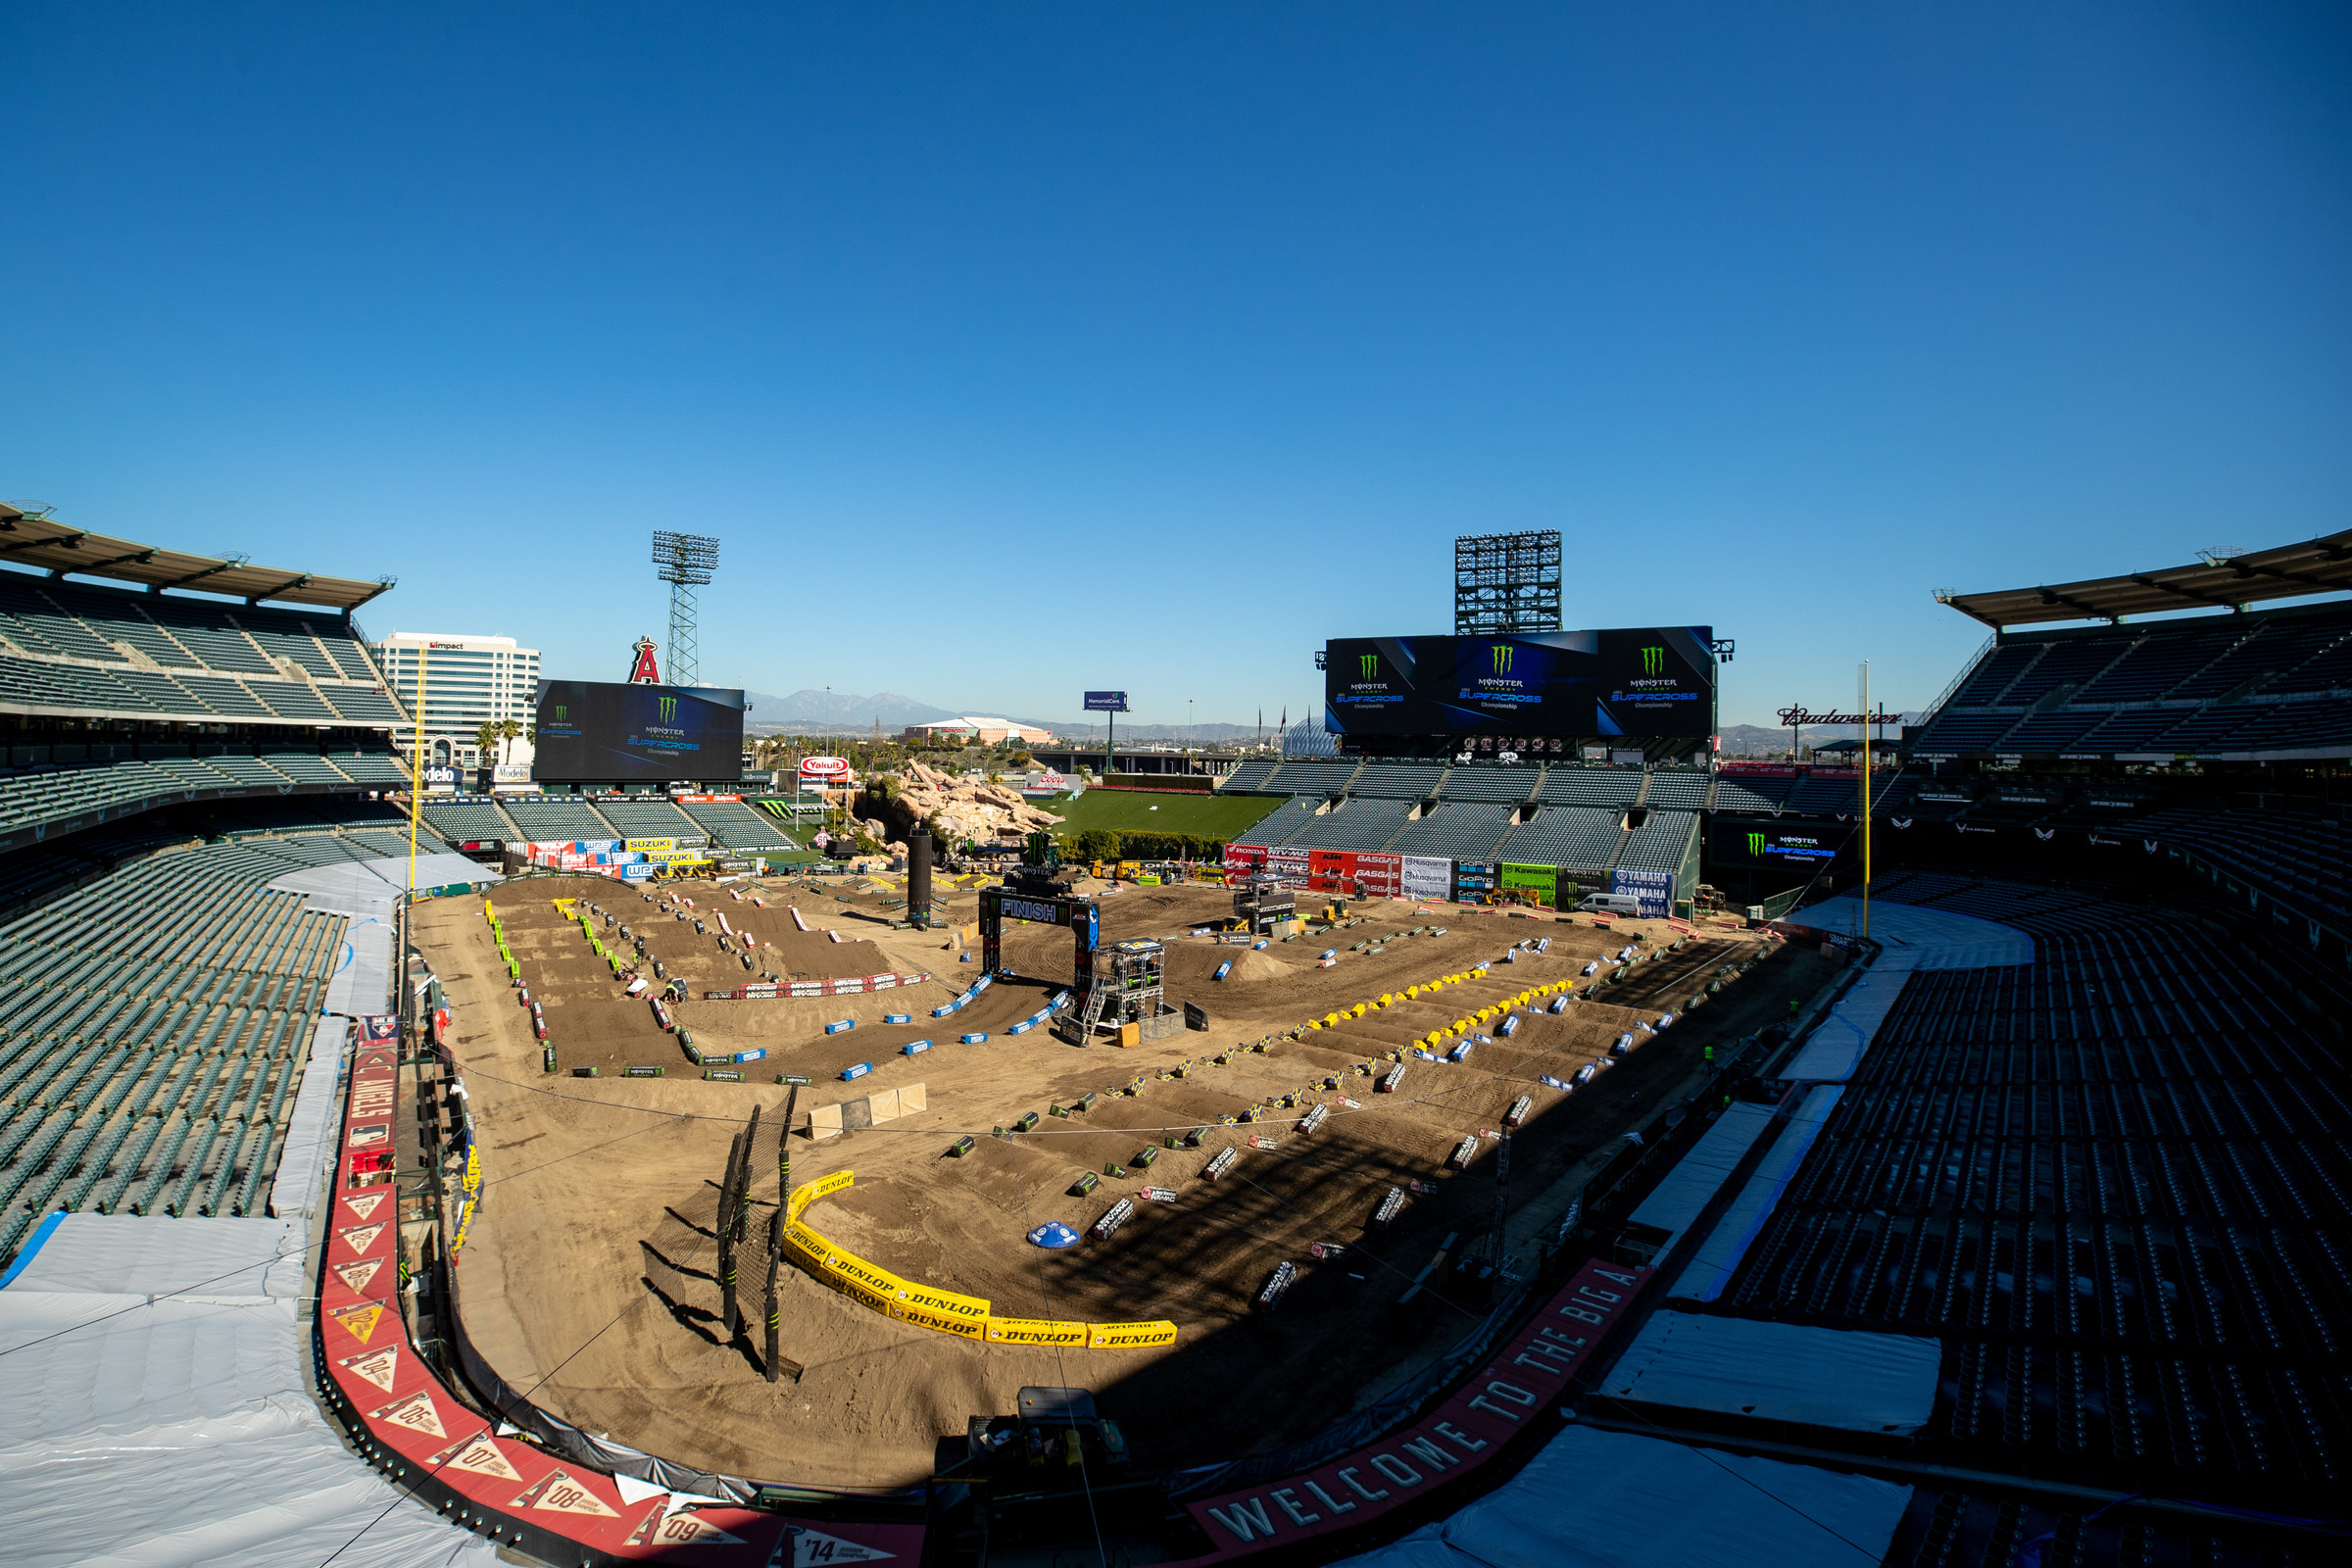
x,y
590,1271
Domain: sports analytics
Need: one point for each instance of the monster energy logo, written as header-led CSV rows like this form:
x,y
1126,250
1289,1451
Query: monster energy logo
x,y
1653,659
1368,664
1756,844
1502,657
561,710
670,708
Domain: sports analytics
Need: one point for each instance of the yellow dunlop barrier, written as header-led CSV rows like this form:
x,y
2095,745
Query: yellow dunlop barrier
x,y
947,1303
1128,1336
923,1317
1036,1331
809,1192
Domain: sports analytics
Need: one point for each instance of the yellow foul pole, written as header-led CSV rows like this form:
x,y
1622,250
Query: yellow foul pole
x,y
417,772
1866,797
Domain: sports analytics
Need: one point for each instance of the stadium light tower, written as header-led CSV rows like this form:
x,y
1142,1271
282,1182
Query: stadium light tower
x,y
1505,583
687,560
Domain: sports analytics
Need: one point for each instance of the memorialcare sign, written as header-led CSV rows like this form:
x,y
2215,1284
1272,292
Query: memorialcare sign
x,y
1506,1397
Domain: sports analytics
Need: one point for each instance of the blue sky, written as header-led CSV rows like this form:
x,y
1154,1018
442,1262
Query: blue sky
x,y
1017,351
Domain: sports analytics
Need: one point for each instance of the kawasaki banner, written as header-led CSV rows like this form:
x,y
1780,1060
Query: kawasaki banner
x,y
1654,890
1541,883
1425,876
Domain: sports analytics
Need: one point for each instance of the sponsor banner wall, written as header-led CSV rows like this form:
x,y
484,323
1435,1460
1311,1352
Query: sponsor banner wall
x,y
1244,857
1423,877
1344,871
1653,889
1543,882
1292,866
1472,881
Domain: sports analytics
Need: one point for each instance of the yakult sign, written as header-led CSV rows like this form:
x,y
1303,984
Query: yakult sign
x,y
824,772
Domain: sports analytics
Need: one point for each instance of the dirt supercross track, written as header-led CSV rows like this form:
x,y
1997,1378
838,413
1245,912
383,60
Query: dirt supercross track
x,y
588,1277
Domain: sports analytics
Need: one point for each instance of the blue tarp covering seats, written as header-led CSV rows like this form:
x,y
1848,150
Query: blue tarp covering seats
x,y
1054,1234
1608,1499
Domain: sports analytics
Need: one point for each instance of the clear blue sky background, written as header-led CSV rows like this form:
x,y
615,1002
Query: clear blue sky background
x,y
1063,346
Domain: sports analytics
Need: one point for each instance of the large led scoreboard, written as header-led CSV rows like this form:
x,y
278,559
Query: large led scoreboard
x,y
1636,682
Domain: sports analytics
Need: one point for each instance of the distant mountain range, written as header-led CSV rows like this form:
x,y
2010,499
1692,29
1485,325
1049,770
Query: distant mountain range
x,y
1765,739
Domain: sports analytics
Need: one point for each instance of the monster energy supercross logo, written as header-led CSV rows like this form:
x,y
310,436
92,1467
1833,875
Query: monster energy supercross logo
x,y
1368,664
670,708
560,713
1756,844
1653,659
1502,657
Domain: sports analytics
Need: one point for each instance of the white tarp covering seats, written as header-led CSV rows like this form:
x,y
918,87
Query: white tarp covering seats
x,y
1781,1372
157,1415
1606,1499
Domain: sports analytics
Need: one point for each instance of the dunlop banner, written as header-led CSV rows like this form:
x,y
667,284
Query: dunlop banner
x,y
809,1192
923,1317
1128,1336
1036,1331
946,1303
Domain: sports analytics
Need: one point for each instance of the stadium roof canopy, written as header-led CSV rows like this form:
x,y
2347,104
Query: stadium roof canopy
x,y
39,541
2217,583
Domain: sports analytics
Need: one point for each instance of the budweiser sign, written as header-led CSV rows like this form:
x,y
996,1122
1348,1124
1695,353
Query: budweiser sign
x,y
1792,717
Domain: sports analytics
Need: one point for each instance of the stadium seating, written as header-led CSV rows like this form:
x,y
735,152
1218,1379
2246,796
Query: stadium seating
x,y
1312,776
549,819
1589,786
1581,838
379,768
1249,774
1358,822
1401,781
157,1020
2109,1180
1662,843
155,653
1681,789
1464,830
649,819
1747,791
1278,825
2271,681
469,821
734,826
1475,783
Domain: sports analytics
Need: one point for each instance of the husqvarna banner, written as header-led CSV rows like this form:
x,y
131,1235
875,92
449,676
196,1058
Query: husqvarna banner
x,y
1425,877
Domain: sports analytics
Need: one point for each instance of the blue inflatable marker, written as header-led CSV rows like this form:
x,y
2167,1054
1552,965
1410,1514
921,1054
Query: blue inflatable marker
x,y
1223,969
859,1071
898,1017
915,1048
1330,952
1258,946
1053,1234
974,1040
837,1028
749,1056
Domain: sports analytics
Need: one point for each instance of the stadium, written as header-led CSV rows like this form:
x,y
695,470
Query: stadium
x,y
1520,1135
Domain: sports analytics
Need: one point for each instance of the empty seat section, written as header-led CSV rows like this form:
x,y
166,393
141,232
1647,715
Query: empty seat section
x,y
1676,788
287,637
549,820
291,699
1277,825
1579,837
207,632
1358,822
1249,774
306,768
1661,842
363,704
470,822
649,819
1589,786
1312,776
737,826
1750,792
1396,780
1463,831
1475,783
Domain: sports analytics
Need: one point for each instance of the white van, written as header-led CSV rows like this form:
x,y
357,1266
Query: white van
x,y
1620,903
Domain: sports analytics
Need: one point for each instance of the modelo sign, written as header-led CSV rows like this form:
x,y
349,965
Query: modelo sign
x,y
825,771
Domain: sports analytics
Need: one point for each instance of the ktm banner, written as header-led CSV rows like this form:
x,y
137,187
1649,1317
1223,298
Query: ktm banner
x,y
1354,873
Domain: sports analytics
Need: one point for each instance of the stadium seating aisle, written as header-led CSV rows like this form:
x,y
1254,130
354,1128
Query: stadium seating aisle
x,y
2111,1182
470,822
552,820
156,1023
734,826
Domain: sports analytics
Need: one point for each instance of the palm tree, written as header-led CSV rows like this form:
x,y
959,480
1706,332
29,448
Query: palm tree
x,y
486,738
507,730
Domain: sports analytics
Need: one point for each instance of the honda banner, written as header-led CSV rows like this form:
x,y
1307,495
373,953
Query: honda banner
x,y
1244,857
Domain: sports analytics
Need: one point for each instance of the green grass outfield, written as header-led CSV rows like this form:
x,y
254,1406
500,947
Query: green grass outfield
x,y
1197,812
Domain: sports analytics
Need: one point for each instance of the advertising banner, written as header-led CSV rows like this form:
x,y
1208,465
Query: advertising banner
x,y
613,730
1361,873
1654,890
1423,877
1244,857
648,846
1472,881
1794,846
1292,866
1541,883
1633,681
